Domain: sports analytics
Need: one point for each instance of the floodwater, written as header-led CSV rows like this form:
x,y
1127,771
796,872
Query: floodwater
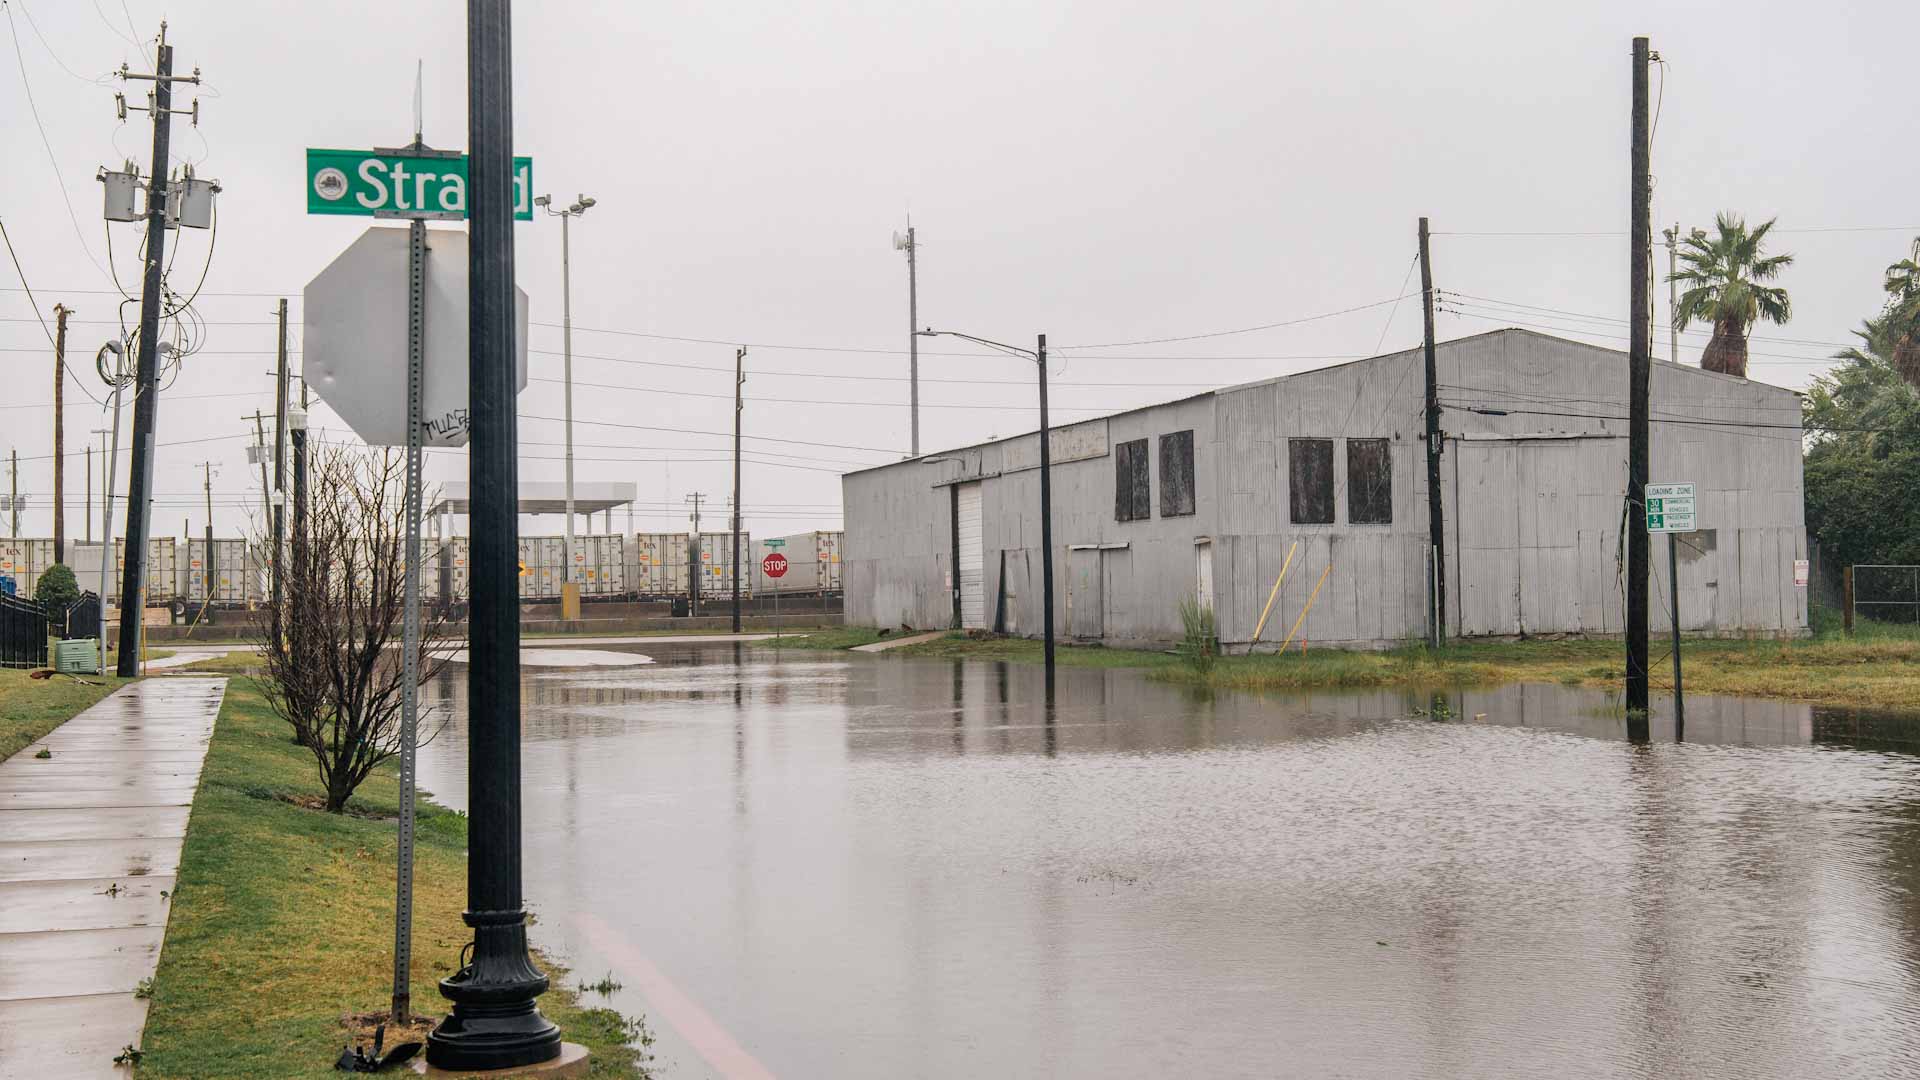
x,y
823,865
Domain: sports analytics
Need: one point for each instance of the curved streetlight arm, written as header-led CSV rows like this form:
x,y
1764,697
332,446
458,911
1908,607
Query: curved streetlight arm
x,y
1001,345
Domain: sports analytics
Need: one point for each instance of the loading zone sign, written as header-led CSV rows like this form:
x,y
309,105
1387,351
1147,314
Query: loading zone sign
x,y
1670,508
377,183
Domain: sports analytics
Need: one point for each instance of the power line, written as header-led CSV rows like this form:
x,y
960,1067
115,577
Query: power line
x,y
1782,359
1488,300
52,160
1240,330
717,434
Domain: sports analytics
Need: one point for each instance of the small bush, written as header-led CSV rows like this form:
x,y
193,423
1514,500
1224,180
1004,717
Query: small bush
x,y
57,589
1199,640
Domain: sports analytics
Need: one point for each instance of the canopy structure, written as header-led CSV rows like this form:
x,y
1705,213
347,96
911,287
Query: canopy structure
x,y
540,498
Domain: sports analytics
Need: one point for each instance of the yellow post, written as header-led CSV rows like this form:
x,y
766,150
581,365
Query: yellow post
x,y
1311,597
570,600
1264,612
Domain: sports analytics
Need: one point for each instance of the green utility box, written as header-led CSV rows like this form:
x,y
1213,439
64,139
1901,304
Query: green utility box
x,y
77,657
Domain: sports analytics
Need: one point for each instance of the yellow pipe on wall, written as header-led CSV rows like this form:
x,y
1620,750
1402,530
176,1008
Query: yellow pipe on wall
x,y
1311,597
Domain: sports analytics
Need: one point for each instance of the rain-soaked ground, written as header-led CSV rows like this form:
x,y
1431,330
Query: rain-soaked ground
x,y
820,865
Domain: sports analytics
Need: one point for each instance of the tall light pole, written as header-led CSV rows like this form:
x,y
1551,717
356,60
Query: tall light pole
x,y
570,587
1039,357
1673,293
907,244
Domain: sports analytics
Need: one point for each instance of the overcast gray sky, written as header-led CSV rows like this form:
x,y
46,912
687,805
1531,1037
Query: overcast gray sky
x,y
1099,171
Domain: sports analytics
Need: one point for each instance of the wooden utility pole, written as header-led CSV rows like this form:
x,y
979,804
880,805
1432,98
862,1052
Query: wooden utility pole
x,y
60,313
260,440
739,382
13,491
1639,363
1436,516
89,514
209,560
279,467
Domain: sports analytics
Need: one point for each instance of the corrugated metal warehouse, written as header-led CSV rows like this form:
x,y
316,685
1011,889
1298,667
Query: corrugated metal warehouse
x,y
1204,497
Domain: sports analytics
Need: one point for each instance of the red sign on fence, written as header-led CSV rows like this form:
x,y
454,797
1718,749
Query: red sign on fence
x,y
774,565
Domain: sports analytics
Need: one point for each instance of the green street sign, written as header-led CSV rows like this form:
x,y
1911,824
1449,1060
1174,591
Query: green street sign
x,y
379,183
774,543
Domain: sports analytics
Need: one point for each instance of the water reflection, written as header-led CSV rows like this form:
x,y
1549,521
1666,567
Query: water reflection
x,y
872,867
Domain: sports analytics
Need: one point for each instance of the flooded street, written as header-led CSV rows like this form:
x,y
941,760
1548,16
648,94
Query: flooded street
x,y
823,865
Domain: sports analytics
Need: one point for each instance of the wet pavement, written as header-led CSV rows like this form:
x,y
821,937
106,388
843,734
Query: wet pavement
x,y
816,865
89,844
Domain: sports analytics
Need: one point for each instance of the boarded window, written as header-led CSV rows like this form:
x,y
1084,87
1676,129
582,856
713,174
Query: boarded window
x,y
1132,485
1176,474
1310,476
1369,482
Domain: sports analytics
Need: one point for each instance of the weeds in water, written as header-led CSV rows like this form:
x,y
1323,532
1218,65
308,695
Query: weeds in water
x,y
606,987
1200,639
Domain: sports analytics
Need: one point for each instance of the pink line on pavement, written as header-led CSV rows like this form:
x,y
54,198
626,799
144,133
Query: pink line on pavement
x,y
693,1023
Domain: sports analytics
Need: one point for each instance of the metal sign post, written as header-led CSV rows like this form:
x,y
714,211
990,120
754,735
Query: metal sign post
x,y
1671,509
775,567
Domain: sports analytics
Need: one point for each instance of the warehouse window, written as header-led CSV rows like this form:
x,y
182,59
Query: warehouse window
x,y
1176,474
1132,486
1310,475
1369,482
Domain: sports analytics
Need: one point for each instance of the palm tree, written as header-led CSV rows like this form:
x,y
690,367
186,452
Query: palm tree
x,y
1723,276
1903,314
1865,391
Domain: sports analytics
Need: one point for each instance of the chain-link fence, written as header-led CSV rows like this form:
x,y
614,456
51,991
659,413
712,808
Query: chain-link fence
x,y
1887,594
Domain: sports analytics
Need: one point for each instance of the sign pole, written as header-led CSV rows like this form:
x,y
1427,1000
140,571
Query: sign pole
x,y
1673,586
410,647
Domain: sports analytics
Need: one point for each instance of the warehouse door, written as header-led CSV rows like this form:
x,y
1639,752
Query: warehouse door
x,y
973,557
1085,615
1203,573
1485,591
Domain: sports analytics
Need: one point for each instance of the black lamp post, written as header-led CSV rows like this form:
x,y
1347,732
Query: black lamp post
x,y
1039,356
495,1022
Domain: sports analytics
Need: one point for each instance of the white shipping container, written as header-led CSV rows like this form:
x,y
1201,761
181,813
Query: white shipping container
x,y
600,565
813,564
444,569
716,564
659,564
24,561
239,576
163,568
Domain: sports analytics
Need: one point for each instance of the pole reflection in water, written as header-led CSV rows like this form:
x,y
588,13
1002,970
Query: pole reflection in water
x,y
875,867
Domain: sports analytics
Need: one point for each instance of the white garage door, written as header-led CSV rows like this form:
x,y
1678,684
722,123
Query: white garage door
x,y
973,559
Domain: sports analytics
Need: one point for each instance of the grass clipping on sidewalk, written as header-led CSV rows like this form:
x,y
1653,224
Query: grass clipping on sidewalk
x,y
282,920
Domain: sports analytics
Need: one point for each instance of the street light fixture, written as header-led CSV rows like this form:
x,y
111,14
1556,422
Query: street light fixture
x,y
570,587
1039,357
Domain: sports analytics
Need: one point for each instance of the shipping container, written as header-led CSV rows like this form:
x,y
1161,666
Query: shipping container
x,y
444,569
715,569
240,576
22,561
657,565
163,568
813,565
600,565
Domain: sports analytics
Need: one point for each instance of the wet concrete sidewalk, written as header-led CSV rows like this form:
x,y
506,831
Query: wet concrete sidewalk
x,y
89,845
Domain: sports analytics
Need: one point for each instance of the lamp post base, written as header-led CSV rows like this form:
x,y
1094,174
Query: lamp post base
x,y
573,1061
495,1022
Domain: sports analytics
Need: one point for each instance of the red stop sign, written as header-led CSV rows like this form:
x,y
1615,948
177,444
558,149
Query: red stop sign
x,y
774,565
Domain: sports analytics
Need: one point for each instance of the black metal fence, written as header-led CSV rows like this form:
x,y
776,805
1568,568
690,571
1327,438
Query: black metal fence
x,y
81,619
1887,594
23,633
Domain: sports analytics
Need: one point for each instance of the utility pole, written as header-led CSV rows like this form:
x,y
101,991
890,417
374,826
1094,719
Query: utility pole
x,y
1436,514
693,558
13,490
89,514
260,451
1640,362
1673,294
739,382
210,561
1046,513
279,471
133,580
60,313
908,245
495,1021
300,473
